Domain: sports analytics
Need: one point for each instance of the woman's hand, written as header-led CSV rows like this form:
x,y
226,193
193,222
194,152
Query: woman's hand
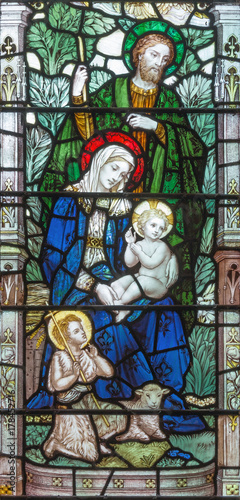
x,y
105,294
79,80
172,271
130,237
142,122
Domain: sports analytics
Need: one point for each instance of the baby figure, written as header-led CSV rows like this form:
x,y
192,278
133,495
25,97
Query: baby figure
x,y
153,255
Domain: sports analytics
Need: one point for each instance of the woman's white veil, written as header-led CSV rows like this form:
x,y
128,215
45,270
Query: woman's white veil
x,y
90,180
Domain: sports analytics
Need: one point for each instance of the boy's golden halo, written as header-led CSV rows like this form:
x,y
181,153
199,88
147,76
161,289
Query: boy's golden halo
x,y
150,205
59,316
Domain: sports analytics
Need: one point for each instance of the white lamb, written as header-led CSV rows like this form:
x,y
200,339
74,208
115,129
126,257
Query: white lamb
x,y
142,427
145,427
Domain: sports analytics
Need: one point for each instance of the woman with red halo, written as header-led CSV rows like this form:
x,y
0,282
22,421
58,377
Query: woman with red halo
x,y
82,253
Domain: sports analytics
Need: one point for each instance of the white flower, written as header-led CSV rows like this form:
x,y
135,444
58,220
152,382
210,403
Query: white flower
x,y
8,355
230,387
234,402
207,296
237,382
206,316
232,376
233,354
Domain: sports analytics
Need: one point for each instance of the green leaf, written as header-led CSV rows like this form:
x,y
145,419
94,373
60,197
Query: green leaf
x,y
204,125
36,434
98,78
89,47
201,378
33,272
35,206
189,64
49,92
35,455
197,373
64,17
35,238
35,245
55,48
38,148
209,183
36,39
69,462
207,236
204,272
126,24
196,91
197,38
32,228
51,121
96,24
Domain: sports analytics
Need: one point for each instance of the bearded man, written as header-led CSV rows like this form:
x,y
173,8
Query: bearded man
x,y
174,154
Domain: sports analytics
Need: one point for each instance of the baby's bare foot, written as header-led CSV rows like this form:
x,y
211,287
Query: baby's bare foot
x,y
116,303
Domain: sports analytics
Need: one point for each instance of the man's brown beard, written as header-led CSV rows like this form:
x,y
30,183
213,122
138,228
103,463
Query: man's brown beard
x,y
148,75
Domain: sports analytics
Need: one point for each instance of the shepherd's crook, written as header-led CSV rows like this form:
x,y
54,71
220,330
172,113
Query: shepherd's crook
x,y
81,52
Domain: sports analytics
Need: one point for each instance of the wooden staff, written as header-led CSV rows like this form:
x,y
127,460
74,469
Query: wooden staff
x,y
84,91
51,315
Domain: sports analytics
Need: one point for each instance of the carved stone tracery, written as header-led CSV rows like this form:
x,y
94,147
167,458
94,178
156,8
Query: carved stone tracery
x,y
232,47
9,47
232,81
229,277
227,19
8,84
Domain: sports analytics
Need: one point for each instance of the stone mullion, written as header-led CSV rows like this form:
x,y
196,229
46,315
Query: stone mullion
x,y
227,19
13,22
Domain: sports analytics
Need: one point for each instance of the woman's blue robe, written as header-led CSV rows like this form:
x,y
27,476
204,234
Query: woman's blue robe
x,y
148,346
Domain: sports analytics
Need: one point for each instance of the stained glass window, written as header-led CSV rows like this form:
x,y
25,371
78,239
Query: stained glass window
x,y
120,262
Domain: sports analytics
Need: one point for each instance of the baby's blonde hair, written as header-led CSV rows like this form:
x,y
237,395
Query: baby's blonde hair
x,y
150,214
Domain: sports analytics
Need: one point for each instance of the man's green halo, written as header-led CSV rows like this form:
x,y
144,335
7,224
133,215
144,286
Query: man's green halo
x,y
157,27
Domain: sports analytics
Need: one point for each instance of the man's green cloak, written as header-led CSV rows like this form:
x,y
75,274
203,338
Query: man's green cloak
x,y
176,168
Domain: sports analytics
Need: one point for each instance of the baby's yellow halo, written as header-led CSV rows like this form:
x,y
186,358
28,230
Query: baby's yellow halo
x,y
150,205
62,316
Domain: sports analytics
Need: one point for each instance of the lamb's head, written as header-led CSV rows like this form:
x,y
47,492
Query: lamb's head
x,y
151,395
